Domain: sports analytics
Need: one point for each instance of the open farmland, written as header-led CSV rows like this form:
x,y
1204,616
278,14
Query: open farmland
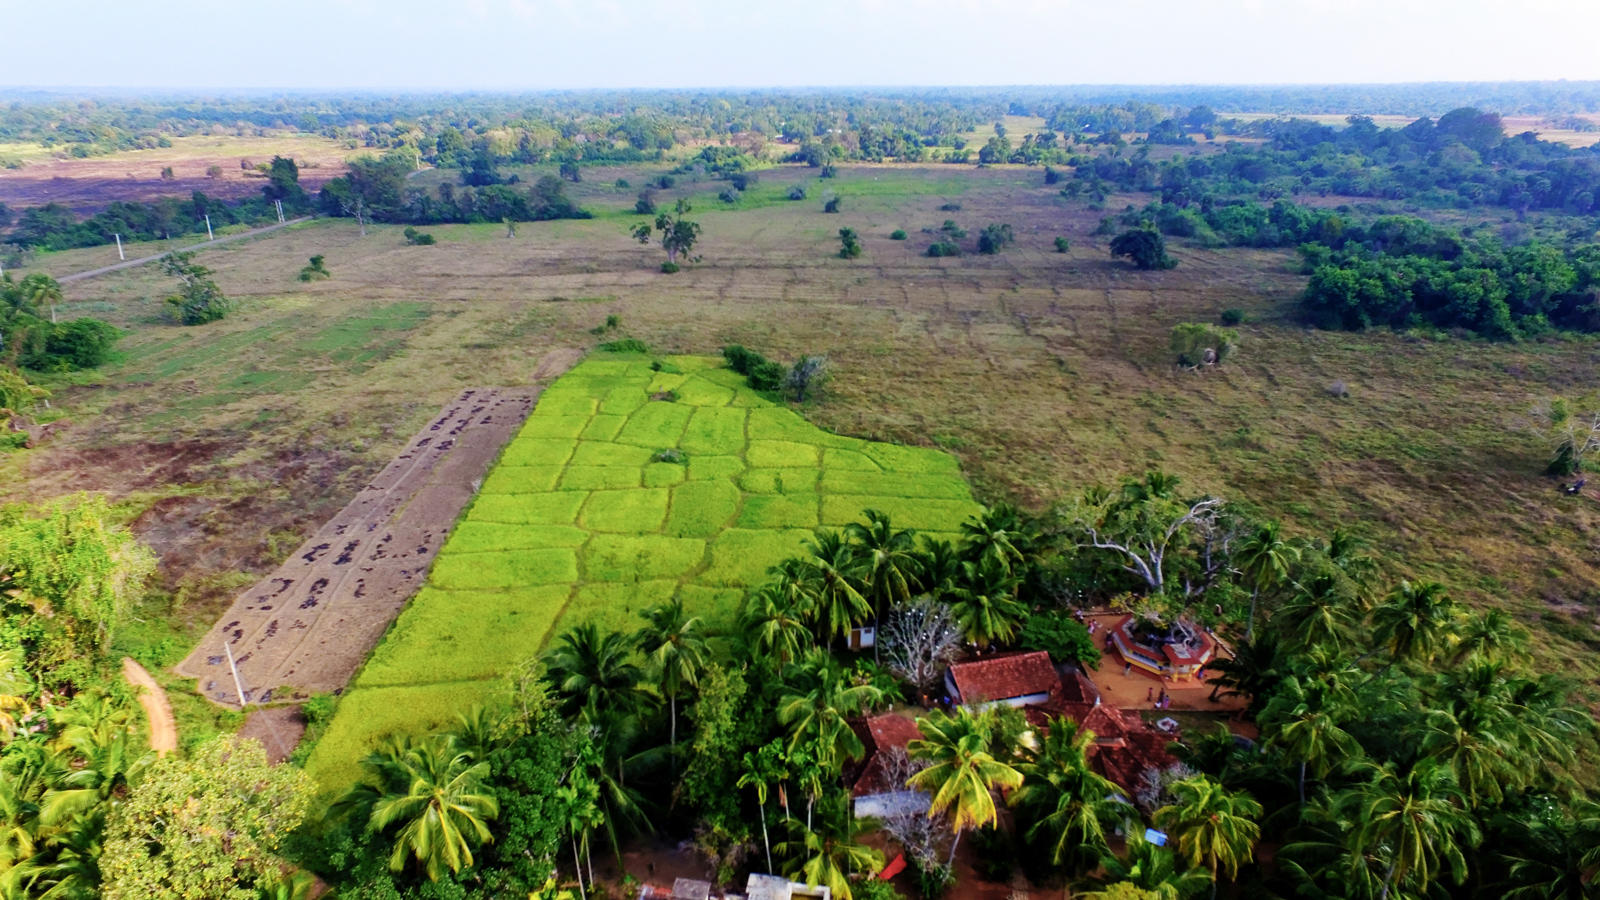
x,y
577,524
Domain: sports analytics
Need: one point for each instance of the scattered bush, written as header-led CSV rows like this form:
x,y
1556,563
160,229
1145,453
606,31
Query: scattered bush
x,y
315,270
762,374
944,248
1202,344
743,181
850,244
1062,244
832,206
994,238
623,183
669,267
950,207
1233,316
417,238
828,171
1051,175
665,182
797,193
670,456
646,204
625,345
1143,246
899,234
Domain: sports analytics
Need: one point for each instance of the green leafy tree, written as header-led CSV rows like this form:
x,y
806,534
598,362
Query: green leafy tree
x,y
817,710
1064,638
593,670
209,825
676,234
994,238
198,299
773,621
1304,720
1415,824
1144,247
1264,560
963,772
1197,344
1416,622
984,602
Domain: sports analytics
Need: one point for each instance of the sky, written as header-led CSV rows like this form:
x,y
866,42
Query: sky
x,y
568,44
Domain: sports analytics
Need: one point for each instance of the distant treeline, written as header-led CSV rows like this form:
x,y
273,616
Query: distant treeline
x,y
1462,160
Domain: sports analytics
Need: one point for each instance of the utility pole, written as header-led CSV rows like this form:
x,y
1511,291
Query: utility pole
x,y
209,235
120,254
237,684
279,204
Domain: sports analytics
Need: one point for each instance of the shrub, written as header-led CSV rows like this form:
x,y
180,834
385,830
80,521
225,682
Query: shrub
x,y
646,204
80,344
625,345
1233,316
797,193
743,180
944,248
850,244
828,171
417,238
670,456
993,238
1051,175
741,359
669,267
728,195
1144,247
315,270
950,207
832,206
1202,344
623,183
768,375
899,234
1062,244
665,181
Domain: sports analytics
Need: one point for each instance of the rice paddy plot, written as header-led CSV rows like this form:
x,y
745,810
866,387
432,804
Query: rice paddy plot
x,y
581,521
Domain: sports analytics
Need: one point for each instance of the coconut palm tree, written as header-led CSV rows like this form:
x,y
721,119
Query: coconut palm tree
x,y
1317,611
480,731
816,710
939,564
675,644
887,560
1491,634
591,670
1416,823
1067,803
441,810
1211,826
832,572
962,773
1253,671
984,602
761,769
1304,719
1264,560
774,625
830,854
1417,621
1153,869
1000,535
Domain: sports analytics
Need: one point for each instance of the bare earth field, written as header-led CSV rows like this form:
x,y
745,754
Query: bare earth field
x,y
312,621
1043,372
89,185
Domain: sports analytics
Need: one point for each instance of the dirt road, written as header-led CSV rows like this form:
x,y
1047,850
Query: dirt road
x,y
163,728
227,238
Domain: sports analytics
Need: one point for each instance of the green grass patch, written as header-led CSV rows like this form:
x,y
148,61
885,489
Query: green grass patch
x,y
701,508
535,451
664,474
616,605
606,453
504,569
714,429
521,479
833,459
553,426
451,636
624,401
603,428
779,481
778,511
637,511
741,557
704,468
782,454
845,481
659,424
597,478
781,424
704,392
555,508
484,537
904,512
627,558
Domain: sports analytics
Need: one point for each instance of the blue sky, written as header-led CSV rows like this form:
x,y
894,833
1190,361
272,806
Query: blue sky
x,y
554,44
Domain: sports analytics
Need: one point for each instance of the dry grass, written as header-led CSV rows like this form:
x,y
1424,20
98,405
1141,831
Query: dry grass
x,y
1043,372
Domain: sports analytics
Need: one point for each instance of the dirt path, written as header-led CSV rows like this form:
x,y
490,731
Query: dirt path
x,y
311,623
163,728
228,238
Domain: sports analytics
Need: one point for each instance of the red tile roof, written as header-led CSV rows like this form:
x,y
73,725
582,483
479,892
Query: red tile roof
x,y
1004,677
1125,746
879,736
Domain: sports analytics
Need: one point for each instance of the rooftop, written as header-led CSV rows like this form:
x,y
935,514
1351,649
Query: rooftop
x,y
1004,677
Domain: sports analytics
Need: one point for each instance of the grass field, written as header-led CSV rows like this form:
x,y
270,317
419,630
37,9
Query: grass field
x,y
573,528
1042,372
